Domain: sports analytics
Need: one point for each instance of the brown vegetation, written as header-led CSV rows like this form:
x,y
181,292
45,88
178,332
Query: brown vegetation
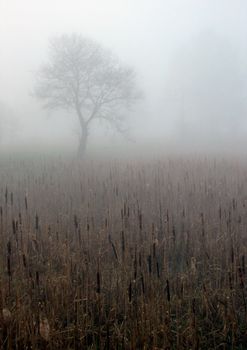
x,y
150,255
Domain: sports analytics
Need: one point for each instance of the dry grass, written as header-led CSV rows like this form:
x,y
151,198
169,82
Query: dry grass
x,y
114,255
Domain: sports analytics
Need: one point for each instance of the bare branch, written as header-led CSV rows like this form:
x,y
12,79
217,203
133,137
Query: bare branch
x,y
82,76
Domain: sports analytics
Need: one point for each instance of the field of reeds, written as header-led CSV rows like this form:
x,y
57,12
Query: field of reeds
x,y
123,255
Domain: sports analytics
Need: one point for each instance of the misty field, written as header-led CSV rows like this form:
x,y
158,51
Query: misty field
x,y
123,255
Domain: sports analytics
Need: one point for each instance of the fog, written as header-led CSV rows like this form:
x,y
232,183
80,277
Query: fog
x,y
190,59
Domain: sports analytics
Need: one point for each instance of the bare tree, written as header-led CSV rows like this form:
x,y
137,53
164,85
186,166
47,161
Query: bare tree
x,y
82,76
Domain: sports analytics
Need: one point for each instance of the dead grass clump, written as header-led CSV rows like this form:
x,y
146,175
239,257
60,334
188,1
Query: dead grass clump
x,y
123,256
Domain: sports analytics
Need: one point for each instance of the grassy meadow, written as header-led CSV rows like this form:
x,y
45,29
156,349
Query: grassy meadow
x,y
123,254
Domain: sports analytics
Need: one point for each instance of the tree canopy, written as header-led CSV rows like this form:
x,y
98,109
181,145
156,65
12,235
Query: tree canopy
x,y
82,76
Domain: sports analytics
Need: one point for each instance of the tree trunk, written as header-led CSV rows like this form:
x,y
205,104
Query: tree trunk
x,y
84,133
83,143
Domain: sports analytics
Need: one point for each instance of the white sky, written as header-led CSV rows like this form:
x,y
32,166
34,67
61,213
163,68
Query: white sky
x,y
144,33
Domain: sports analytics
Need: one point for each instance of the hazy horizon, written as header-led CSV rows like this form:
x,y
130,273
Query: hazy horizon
x,y
189,56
